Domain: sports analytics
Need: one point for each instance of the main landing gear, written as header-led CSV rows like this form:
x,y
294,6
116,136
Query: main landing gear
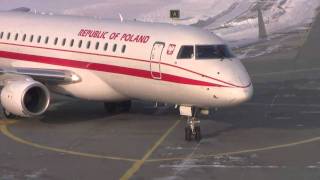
x,y
117,107
8,114
192,129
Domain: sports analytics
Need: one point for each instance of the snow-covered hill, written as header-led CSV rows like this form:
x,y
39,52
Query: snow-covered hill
x,y
235,20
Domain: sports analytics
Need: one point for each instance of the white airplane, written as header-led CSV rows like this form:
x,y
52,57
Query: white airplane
x,y
114,62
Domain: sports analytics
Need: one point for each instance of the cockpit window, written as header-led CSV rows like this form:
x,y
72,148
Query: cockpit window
x,y
185,52
213,52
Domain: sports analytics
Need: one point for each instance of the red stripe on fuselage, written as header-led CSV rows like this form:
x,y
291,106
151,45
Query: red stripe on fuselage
x,y
132,59
103,68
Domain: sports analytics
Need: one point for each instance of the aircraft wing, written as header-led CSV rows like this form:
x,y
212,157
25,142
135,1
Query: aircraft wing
x,y
49,76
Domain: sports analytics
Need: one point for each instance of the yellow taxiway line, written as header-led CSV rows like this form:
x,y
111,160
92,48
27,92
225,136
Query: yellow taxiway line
x,y
4,129
7,122
268,148
137,165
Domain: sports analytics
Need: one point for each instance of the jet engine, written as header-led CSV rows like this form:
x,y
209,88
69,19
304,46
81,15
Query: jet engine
x,y
25,98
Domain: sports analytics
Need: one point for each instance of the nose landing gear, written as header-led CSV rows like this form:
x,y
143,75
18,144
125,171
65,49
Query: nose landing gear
x,y
192,129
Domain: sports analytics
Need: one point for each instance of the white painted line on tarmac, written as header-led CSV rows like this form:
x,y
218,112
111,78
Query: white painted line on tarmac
x,y
222,166
289,105
286,72
282,118
310,112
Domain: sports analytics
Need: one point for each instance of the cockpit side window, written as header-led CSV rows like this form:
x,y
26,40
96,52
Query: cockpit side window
x,y
186,52
213,52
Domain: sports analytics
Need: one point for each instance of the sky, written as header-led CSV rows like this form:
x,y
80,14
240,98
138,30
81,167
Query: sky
x,y
280,14
104,8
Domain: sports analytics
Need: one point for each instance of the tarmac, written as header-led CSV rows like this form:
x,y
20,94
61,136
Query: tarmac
x,y
274,136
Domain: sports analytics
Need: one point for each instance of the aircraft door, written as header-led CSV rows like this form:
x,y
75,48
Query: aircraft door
x,y
155,60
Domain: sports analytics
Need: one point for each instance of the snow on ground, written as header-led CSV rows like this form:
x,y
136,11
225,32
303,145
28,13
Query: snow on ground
x,y
234,20
280,16
193,11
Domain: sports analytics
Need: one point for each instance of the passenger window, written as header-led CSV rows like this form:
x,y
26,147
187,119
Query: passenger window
x,y
71,42
46,40
97,45
64,42
16,37
1,35
186,52
24,37
39,39
123,50
56,41
88,44
31,38
80,44
8,36
105,47
114,48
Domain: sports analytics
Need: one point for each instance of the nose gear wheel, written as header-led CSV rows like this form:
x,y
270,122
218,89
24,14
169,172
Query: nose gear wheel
x,y
192,130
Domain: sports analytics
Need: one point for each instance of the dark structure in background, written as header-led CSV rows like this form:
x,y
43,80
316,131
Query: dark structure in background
x,y
289,65
309,56
262,26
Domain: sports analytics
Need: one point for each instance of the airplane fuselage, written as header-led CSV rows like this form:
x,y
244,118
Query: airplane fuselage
x,y
118,61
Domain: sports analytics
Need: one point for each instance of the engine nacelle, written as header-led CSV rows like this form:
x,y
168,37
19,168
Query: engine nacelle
x,y
25,98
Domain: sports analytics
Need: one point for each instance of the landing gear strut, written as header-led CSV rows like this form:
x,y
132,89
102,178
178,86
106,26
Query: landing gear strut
x,y
192,129
8,115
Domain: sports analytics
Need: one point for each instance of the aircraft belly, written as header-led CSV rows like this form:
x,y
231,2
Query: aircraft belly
x,y
162,91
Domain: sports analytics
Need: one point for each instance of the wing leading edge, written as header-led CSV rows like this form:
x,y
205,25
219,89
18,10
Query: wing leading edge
x,y
49,76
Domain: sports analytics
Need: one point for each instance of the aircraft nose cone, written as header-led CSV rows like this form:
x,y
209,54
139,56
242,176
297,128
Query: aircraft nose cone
x,y
244,94
245,90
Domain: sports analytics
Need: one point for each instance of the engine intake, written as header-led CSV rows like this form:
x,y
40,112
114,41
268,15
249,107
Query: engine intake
x,y
25,98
